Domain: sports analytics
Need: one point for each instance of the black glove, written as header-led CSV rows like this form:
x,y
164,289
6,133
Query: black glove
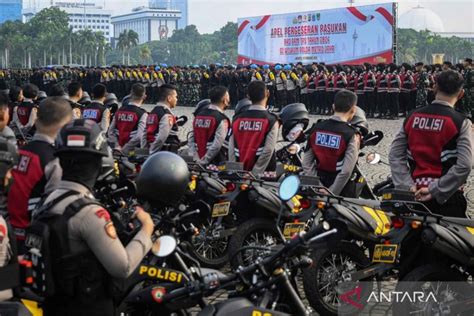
x,y
182,120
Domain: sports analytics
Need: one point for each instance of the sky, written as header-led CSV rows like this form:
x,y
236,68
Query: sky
x,y
211,15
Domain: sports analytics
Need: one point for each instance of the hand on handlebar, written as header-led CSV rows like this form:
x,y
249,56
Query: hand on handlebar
x,y
145,220
423,195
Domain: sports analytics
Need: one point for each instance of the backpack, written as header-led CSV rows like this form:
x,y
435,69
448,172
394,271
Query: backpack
x,y
48,251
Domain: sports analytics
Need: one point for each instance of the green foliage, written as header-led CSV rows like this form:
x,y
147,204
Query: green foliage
x,y
416,46
47,39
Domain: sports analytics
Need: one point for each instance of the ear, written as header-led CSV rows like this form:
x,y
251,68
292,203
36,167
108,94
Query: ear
x,y
461,94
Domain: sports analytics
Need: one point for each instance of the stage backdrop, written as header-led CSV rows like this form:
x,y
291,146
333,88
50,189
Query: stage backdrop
x,y
352,35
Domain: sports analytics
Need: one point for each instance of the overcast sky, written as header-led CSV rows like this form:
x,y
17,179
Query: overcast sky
x,y
210,15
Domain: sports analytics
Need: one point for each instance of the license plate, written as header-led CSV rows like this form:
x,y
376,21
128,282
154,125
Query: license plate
x,y
385,253
293,228
220,209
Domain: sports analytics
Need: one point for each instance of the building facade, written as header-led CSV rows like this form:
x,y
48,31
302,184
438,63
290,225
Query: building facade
x,y
82,15
150,24
10,10
180,5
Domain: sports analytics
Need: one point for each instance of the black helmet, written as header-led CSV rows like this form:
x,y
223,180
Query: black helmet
x,y
86,99
107,171
8,156
202,105
163,179
360,121
41,96
126,100
292,114
242,106
111,99
82,136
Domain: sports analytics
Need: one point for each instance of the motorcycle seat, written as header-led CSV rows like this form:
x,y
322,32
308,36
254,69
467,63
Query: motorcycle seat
x,y
269,196
461,221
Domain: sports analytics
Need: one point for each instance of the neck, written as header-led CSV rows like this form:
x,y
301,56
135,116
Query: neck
x,y
261,103
452,101
74,99
345,117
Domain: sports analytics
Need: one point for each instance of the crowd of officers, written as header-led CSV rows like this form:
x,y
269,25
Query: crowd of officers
x,y
383,90
431,156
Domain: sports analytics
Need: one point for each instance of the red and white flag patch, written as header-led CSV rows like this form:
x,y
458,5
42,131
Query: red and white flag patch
x,y
76,141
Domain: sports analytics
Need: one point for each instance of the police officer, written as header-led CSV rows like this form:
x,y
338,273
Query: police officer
x,y
38,171
280,83
97,111
432,153
334,147
210,128
8,158
75,93
24,115
162,126
422,82
129,123
468,100
254,133
94,254
5,131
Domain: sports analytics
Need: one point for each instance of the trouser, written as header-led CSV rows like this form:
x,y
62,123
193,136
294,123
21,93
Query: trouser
x,y
405,102
72,307
271,99
382,103
455,206
412,100
370,102
310,102
319,100
393,105
304,99
291,97
329,100
280,99
361,102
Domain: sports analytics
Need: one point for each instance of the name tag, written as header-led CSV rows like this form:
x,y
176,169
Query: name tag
x,y
328,140
90,114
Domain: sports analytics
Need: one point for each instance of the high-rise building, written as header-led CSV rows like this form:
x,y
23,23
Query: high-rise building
x,y
82,15
180,5
149,24
10,10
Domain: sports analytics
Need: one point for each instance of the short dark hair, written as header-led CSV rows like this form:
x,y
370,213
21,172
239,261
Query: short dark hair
x,y
99,91
137,92
449,82
53,110
14,93
217,93
256,91
30,91
344,101
4,100
56,91
73,88
165,91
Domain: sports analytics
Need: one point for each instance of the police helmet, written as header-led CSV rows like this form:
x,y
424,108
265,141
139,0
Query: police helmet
x,y
163,179
111,99
278,67
126,100
157,68
202,105
253,66
8,156
292,114
164,65
266,66
42,95
86,99
360,121
287,67
242,106
107,169
82,136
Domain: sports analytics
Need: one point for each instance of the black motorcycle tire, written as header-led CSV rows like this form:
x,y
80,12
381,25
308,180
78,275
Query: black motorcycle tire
x,y
311,283
244,232
430,272
213,263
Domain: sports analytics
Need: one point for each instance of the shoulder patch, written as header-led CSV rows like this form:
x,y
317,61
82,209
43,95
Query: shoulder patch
x,y
102,213
110,230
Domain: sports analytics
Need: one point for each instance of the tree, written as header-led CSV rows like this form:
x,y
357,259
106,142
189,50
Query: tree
x,y
145,54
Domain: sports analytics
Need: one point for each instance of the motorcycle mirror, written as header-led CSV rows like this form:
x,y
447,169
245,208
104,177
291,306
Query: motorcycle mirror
x,y
373,158
293,149
164,246
289,187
